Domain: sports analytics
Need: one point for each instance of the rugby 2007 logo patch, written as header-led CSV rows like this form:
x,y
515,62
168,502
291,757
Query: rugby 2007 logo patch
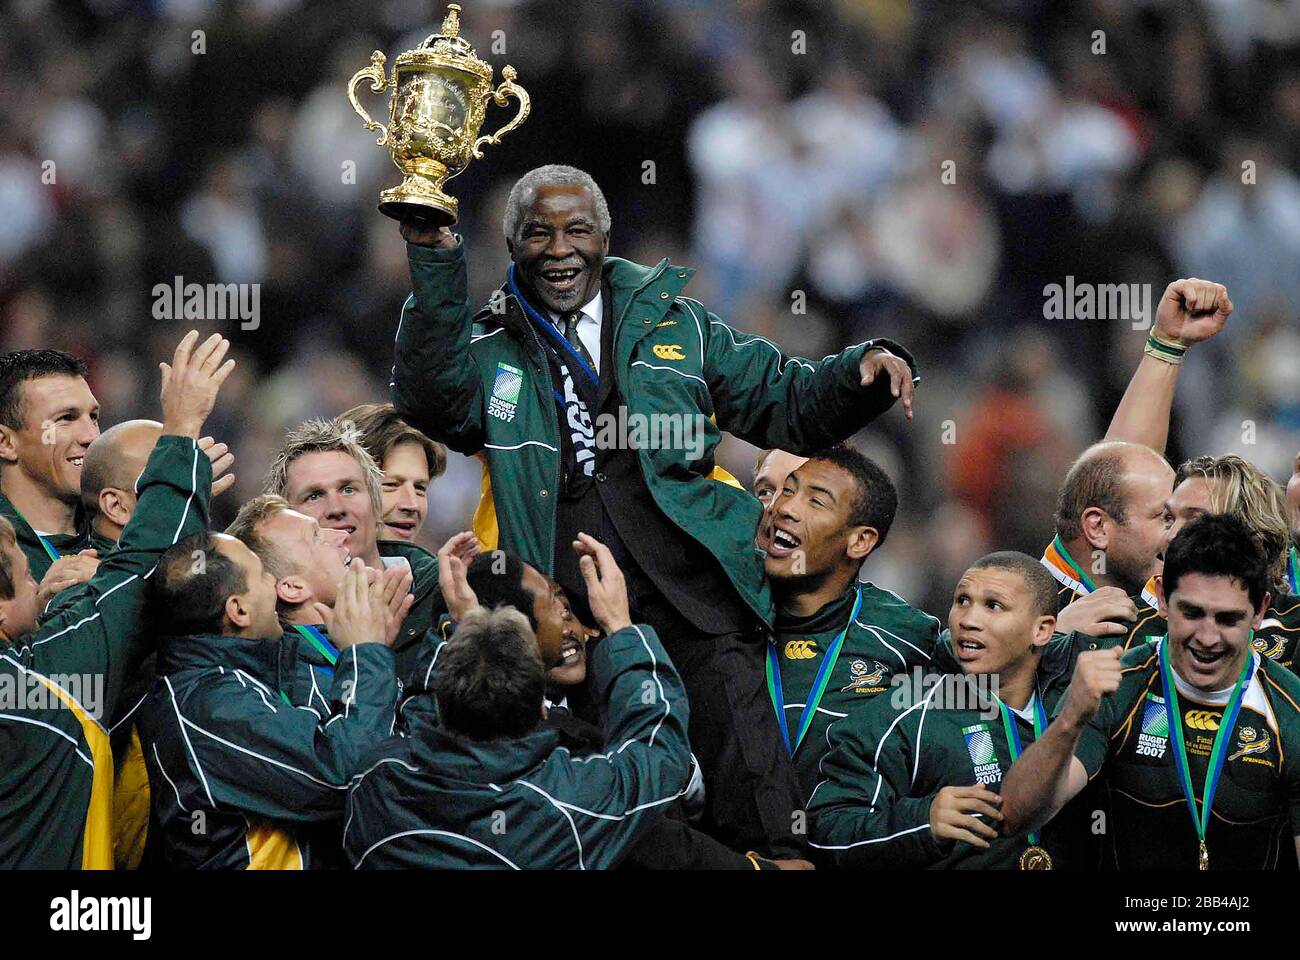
x,y
1153,737
983,755
505,392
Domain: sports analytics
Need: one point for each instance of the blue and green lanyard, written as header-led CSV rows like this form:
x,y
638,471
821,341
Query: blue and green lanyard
x,y
1201,817
777,692
1013,736
1293,571
321,644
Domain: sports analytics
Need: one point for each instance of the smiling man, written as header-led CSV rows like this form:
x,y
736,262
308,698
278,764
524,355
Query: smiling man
x,y
323,471
1195,735
913,780
574,338
838,641
48,419
409,460
1236,487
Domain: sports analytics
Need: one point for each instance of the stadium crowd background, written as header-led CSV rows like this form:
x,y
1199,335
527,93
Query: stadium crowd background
x,y
774,172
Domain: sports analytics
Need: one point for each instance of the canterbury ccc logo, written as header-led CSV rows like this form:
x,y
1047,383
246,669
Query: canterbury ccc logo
x,y
1203,719
801,649
669,351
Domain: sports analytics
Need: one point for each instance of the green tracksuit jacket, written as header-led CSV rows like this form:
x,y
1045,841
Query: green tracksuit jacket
x,y
56,771
887,763
38,552
887,637
480,383
242,779
434,800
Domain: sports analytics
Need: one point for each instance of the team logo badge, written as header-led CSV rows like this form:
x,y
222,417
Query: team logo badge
x,y
867,676
1270,647
983,755
801,649
1202,719
1153,737
505,392
669,351
1251,741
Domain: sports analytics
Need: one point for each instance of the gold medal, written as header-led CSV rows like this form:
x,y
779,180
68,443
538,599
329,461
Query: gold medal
x,y
1035,858
1205,856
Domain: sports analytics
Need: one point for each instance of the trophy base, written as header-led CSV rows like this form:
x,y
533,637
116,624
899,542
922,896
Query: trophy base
x,y
419,199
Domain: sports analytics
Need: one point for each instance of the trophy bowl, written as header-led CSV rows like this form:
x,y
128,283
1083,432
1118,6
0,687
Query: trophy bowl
x,y
438,100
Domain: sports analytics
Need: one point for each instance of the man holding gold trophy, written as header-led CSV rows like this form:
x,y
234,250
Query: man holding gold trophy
x,y
553,384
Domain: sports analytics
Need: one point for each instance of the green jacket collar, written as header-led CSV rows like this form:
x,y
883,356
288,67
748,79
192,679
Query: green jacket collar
x,y
456,760
258,658
424,565
832,616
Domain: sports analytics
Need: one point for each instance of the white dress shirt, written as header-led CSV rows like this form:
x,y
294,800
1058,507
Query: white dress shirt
x,y
588,326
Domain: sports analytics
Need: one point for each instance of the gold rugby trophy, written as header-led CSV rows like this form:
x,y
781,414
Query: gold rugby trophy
x,y
439,98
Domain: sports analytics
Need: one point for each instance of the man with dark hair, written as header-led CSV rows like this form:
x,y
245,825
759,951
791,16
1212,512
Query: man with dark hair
x,y
576,339
252,781
838,640
1236,487
48,419
410,461
482,782
1195,735
912,781
69,677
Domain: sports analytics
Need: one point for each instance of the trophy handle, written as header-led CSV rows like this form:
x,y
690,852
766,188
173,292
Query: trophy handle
x,y
507,88
375,74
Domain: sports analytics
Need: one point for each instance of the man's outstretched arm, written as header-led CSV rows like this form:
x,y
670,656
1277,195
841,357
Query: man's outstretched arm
x,y
771,399
1191,311
1048,774
436,386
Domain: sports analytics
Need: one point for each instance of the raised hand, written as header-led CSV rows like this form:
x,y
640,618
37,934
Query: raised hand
x,y
453,561
426,235
191,381
606,588
1096,673
877,362
359,614
396,598
1192,310
222,460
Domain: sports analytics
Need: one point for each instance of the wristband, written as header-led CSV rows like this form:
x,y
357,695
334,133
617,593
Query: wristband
x,y
1165,350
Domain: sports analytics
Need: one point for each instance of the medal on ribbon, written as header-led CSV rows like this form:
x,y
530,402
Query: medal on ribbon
x,y
777,692
1218,753
1035,857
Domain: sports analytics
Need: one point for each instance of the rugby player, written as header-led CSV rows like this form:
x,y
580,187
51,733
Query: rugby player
x,y
1113,509
836,641
1194,734
58,772
323,471
252,781
446,795
912,781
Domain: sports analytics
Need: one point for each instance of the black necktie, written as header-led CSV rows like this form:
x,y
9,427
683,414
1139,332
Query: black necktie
x,y
571,334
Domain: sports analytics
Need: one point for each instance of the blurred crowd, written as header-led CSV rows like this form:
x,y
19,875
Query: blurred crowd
x,y
836,169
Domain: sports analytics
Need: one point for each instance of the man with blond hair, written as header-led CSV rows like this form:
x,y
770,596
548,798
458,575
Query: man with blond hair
x,y
1234,486
323,470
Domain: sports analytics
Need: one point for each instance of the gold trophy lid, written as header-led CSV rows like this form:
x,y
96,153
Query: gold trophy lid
x,y
446,49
